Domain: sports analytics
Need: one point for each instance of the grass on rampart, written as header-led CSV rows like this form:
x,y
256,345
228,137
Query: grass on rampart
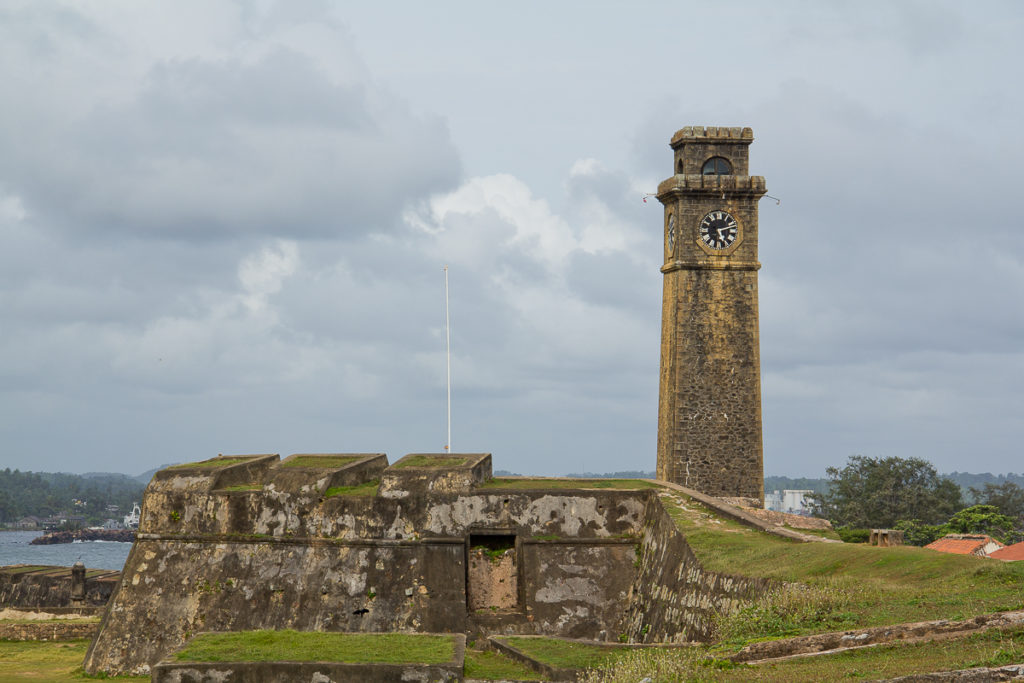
x,y
367,488
542,483
321,461
308,646
494,666
565,654
25,569
211,463
843,585
431,461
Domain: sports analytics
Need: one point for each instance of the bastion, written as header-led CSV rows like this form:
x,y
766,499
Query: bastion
x,y
430,544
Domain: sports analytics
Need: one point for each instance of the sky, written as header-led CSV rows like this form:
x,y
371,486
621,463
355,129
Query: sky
x,y
223,227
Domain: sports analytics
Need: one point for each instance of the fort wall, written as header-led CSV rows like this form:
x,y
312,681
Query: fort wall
x,y
673,598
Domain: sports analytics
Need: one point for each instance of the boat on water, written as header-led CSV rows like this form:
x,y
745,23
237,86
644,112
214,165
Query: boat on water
x,y
131,520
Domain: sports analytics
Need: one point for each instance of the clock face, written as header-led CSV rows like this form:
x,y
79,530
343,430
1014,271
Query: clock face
x,y
718,230
670,235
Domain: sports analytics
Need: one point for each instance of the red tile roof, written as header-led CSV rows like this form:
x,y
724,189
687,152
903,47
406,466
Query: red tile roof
x,y
962,544
1010,553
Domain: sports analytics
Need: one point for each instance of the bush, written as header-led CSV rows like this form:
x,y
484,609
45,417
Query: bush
x,y
915,532
657,664
789,610
849,535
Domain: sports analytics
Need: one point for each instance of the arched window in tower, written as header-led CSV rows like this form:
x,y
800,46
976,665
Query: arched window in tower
x,y
679,167
717,166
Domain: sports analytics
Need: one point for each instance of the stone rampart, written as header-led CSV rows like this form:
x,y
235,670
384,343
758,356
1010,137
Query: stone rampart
x,y
45,586
674,599
221,551
48,630
238,544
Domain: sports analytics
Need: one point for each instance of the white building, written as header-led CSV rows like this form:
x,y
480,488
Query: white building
x,y
792,501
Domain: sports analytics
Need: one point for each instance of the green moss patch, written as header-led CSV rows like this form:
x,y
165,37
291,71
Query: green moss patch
x,y
304,646
321,461
368,488
540,483
493,666
432,461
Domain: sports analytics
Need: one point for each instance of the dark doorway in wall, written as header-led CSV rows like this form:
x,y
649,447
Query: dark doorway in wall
x,y
492,567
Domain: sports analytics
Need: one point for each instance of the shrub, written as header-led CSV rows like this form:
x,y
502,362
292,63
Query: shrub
x,y
849,535
788,610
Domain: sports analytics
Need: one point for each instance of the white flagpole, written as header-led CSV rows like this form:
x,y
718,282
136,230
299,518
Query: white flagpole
x,y
448,353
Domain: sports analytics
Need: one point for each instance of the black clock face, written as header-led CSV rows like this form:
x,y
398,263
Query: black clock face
x,y
670,235
718,230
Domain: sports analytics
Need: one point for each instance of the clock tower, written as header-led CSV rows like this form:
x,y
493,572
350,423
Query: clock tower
x,y
709,405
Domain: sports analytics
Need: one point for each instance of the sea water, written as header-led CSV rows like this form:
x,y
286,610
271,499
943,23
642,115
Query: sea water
x,y
15,548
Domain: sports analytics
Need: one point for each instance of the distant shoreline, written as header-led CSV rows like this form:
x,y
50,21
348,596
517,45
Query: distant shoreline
x,y
115,535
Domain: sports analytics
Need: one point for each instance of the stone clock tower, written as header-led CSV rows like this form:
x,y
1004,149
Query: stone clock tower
x,y
709,406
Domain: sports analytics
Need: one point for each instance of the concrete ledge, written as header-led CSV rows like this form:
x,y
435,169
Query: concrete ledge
x,y
499,644
423,473
1012,672
237,469
738,515
320,672
317,473
286,672
772,650
549,673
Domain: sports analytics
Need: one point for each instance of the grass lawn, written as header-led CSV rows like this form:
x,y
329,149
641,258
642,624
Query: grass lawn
x,y
493,666
510,483
565,653
858,585
304,646
47,661
321,461
367,488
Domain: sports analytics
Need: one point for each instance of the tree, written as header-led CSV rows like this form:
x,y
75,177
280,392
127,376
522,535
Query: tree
x,y
916,533
1008,497
877,492
983,519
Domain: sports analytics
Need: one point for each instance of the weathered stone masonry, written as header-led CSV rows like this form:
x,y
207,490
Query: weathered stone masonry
x,y
256,543
709,410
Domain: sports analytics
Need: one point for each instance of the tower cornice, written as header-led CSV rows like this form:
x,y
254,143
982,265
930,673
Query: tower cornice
x,y
694,185
709,264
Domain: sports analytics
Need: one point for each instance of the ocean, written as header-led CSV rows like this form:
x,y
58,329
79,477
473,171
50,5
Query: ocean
x,y
15,549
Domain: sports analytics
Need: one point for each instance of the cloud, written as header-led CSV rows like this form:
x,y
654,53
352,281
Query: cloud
x,y
214,146
263,274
